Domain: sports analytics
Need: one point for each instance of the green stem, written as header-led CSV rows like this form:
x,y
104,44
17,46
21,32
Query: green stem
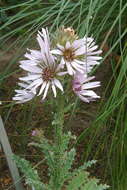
x,y
58,142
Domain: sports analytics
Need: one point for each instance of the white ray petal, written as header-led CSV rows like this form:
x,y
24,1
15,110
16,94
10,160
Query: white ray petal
x,y
60,47
34,83
92,48
95,52
58,84
90,45
41,42
29,56
62,61
77,67
88,39
89,62
30,62
80,51
33,69
46,90
30,77
17,98
33,89
54,90
84,99
90,93
93,58
68,45
21,91
36,54
77,43
90,85
87,79
69,68
57,52
80,62
24,85
62,73
59,67
77,64
42,88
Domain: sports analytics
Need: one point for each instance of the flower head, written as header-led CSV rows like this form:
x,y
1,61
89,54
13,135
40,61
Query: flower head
x,y
34,133
23,95
78,55
43,71
37,134
82,87
62,35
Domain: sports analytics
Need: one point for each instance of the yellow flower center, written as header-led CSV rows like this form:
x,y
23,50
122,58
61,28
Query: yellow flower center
x,y
48,74
69,54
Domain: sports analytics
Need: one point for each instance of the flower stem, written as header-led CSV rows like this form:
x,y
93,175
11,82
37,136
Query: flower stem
x,y
58,142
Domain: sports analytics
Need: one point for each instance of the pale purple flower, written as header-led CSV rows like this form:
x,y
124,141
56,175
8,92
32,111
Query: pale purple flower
x,y
43,71
23,95
82,87
80,55
34,133
91,53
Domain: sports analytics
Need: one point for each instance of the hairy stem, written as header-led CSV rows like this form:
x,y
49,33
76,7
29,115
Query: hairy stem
x,y
58,143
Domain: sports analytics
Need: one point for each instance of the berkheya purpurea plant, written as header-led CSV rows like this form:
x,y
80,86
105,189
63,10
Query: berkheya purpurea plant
x,y
61,67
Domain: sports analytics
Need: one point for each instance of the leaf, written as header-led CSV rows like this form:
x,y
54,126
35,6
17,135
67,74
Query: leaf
x,y
65,141
67,163
81,168
92,184
31,174
77,181
68,108
48,151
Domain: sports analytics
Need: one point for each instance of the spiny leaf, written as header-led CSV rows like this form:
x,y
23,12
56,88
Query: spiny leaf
x,y
77,181
67,163
31,174
92,184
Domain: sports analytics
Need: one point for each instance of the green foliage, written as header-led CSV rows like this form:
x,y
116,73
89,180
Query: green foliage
x,y
75,178
92,184
31,174
3,16
48,151
78,180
